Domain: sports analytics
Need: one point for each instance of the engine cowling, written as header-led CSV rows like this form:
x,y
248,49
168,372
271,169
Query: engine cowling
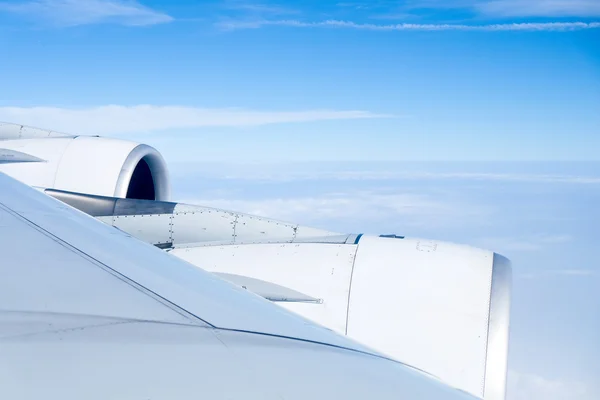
x,y
85,164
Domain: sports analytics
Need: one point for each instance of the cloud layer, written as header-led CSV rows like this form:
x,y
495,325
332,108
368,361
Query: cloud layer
x,y
145,118
534,387
83,12
371,211
286,174
367,205
528,244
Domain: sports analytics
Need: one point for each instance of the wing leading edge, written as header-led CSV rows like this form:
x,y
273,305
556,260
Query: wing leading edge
x,y
87,311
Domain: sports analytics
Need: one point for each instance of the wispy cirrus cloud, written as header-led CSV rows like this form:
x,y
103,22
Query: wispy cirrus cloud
x,y
503,8
523,27
85,12
113,119
501,12
539,8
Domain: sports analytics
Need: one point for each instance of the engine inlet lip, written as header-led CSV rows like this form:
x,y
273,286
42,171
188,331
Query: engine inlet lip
x,y
158,169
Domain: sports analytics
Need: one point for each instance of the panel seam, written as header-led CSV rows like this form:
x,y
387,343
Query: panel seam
x,y
350,285
489,320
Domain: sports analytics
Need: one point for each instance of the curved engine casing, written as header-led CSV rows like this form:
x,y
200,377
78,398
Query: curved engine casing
x,y
93,165
440,307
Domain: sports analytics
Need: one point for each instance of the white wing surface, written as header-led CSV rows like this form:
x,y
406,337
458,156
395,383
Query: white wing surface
x,y
89,312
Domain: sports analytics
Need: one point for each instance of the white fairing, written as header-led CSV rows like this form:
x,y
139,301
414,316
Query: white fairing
x,y
424,303
428,303
320,271
93,165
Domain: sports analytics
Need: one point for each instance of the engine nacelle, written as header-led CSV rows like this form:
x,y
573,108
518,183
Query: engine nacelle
x,y
439,307
84,164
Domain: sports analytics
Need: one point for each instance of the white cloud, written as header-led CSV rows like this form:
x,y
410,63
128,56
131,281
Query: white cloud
x,y
363,208
524,244
143,118
334,205
83,12
539,8
573,273
533,387
285,174
525,26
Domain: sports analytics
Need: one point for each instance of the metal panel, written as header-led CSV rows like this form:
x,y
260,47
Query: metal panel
x,y
424,303
308,232
102,160
198,224
101,206
142,207
499,323
153,229
10,131
249,227
13,156
96,206
321,271
313,240
36,174
333,239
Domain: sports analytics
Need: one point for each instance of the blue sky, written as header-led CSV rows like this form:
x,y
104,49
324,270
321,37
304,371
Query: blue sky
x,y
383,80
494,103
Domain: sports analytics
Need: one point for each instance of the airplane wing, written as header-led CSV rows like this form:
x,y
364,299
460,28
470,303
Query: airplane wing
x,y
89,312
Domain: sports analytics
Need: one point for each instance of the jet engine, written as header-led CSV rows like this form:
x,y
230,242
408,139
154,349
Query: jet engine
x,y
85,164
